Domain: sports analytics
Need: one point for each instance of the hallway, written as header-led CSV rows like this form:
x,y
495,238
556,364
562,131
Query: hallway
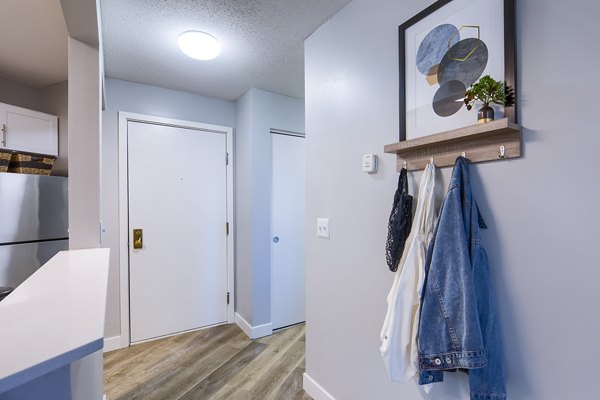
x,y
210,364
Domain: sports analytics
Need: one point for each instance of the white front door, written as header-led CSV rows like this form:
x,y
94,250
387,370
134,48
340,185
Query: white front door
x,y
288,209
177,183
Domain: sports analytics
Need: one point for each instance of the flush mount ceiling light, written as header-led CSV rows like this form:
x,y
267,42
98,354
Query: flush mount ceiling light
x,y
199,45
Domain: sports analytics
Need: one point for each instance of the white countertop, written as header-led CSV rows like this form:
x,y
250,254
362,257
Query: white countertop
x,y
53,318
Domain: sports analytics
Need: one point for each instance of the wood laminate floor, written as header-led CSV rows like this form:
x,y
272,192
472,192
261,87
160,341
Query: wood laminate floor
x,y
218,363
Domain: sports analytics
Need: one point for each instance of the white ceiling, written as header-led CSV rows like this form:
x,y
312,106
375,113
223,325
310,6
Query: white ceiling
x,y
33,42
262,43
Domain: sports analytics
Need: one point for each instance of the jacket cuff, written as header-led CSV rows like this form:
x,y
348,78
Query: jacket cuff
x,y
452,360
487,396
426,377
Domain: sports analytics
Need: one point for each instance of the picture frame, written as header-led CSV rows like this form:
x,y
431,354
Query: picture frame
x,y
442,51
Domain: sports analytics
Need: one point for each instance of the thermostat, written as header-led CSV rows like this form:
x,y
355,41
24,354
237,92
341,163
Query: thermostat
x,y
369,163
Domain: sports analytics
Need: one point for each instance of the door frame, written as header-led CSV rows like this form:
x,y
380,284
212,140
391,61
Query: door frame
x,y
124,119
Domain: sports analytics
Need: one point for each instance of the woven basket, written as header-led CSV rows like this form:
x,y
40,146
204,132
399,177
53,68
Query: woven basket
x,y
4,160
31,164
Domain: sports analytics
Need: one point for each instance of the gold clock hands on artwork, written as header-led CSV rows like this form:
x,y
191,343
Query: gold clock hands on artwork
x,y
472,51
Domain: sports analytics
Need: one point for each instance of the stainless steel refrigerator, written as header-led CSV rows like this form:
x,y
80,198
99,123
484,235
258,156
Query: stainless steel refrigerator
x,y
33,223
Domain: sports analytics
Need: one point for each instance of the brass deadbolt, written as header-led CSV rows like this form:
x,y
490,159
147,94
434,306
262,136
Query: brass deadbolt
x,y
138,239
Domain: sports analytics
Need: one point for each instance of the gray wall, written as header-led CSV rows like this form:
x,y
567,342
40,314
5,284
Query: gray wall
x,y
257,112
151,100
541,209
243,207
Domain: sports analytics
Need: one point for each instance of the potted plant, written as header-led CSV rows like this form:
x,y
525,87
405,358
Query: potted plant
x,y
488,90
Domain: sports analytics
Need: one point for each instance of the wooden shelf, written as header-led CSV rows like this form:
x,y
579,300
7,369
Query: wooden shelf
x,y
480,142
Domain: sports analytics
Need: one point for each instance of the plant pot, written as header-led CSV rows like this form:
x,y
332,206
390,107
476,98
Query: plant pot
x,y
485,114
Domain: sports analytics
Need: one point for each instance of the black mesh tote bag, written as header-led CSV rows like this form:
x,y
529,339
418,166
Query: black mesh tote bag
x,y
400,223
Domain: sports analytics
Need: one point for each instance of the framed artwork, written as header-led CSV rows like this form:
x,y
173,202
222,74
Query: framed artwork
x,y
443,50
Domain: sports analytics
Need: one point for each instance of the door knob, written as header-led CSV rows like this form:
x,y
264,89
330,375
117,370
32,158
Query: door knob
x,y
275,239
138,239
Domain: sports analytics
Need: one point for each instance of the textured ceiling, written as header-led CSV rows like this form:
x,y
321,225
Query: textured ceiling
x,y
262,43
33,42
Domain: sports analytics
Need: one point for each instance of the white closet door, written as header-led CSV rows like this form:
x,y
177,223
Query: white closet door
x,y
288,209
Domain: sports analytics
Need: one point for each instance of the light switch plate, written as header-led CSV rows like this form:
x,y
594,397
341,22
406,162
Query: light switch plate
x,y
323,228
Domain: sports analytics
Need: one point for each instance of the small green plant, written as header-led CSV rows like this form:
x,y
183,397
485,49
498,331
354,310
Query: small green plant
x,y
488,90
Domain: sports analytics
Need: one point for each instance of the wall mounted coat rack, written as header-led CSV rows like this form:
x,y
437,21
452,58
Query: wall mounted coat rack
x,y
496,140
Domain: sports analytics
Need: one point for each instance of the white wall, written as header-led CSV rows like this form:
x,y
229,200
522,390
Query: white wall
x,y
257,112
151,100
84,152
19,95
541,209
54,100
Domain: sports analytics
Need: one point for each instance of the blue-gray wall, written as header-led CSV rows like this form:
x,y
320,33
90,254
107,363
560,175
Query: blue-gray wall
x,y
257,112
542,209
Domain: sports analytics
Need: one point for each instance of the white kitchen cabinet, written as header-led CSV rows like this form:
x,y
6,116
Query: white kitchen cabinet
x,y
28,130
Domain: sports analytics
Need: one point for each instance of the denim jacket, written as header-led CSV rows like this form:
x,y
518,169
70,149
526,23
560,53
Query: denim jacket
x,y
459,327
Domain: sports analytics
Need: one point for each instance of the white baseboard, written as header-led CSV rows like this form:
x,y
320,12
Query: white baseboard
x,y
315,390
244,325
253,332
114,343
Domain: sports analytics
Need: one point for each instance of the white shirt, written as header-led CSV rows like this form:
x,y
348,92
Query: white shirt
x,y
400,328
